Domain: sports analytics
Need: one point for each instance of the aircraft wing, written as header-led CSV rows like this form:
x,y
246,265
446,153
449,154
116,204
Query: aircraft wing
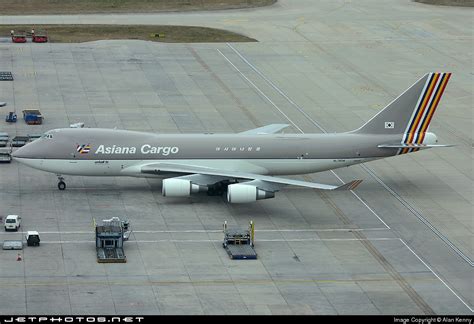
x,y
269,129
202,175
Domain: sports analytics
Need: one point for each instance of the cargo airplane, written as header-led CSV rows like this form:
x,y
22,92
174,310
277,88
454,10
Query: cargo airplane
x,y
247,165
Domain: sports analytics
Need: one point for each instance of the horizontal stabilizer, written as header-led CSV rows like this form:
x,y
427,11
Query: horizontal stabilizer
x,y
413,145
350,185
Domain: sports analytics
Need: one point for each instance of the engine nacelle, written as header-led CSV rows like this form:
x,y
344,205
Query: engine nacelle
x,y
179,188
242,193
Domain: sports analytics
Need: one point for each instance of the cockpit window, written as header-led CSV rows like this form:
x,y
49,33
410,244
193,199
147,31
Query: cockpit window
x,y
47,136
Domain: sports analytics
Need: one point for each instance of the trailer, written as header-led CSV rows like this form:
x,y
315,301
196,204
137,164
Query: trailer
x,y
34,137
239,243
5,155
19,141
4,137
12,245
32,117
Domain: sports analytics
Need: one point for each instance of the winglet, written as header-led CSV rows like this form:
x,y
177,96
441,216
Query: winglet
x,y
349,186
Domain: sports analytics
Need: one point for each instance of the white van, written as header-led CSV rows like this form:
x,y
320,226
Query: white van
x,y
12,222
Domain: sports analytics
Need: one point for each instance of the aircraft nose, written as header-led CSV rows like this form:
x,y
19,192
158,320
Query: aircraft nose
x,y
21,153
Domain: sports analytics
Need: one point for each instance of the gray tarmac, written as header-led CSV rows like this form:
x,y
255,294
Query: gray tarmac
x,y
401,243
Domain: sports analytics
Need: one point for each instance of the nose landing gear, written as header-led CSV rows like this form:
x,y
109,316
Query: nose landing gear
x,y
61,183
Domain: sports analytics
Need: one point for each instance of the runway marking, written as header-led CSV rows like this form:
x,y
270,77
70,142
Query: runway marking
x,y
363,166
220,241
286,116
218,231
405,203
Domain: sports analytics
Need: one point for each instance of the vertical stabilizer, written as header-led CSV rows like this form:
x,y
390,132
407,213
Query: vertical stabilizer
x,y
410,114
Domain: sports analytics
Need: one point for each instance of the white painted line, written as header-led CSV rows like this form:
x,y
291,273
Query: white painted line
x,y
276,88
420,217
296,126
261,92
440,279
315,230
326,230
330,239
363,202
214,241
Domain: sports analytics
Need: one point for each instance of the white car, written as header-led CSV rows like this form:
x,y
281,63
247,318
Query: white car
x,y
12,222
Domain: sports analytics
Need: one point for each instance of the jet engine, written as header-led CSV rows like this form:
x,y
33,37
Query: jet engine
x,y
242,193
173,187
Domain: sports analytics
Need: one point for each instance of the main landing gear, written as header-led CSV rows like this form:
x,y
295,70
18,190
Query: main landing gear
x,y
61,183
218,189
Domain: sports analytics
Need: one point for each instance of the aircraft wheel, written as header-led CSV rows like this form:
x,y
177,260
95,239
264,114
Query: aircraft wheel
x,y
61,185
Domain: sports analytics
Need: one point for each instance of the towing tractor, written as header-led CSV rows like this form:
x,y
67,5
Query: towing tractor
x,y
32,238
11,117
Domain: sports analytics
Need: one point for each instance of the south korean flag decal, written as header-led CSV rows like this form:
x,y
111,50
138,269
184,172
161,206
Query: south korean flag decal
x,y
390,125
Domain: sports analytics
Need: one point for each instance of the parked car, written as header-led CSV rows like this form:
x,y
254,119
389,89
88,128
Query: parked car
x,y
12,222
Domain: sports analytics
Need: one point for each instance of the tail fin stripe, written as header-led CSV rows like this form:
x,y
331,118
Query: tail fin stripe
x,y
434,105
418,112
420,103
428,101
419,132
421,110
431,99
415,113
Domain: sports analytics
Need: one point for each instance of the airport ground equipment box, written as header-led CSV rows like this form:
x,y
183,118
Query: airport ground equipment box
x,y
109,237
12,245
239,243
32,117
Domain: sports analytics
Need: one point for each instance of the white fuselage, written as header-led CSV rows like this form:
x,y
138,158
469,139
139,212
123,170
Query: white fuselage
x,y
133,167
